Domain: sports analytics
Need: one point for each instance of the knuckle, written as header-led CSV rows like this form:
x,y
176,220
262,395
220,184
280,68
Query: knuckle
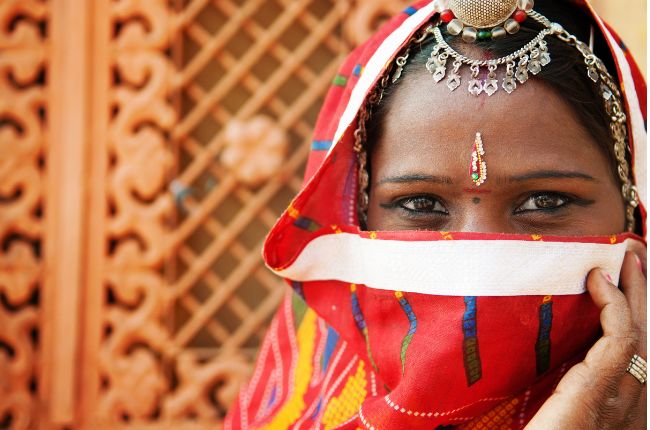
x,y
627,343
605,410
630,341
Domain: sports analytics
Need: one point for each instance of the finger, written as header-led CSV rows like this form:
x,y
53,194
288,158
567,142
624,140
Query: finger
x,y
607,359
591,388
615,312
633,285
640,250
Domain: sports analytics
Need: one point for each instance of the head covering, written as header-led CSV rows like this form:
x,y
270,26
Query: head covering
x,y
420,329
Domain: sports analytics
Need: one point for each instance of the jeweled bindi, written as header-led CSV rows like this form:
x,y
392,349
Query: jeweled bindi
x,y
478,168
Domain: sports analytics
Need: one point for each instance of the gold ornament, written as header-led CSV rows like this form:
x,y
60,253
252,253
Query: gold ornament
x,y
482,14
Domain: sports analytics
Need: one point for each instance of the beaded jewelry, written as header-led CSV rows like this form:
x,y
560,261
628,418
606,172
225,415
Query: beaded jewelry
x,y
481,20
478,168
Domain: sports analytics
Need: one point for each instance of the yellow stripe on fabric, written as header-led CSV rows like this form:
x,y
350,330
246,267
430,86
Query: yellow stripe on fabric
x,y
502,417
293,407
343,407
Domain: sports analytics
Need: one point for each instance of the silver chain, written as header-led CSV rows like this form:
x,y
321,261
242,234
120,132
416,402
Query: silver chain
x,y
618,121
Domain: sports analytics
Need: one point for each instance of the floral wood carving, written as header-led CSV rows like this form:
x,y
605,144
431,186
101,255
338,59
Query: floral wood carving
x,y
22,127
133,379
186,296
254,149
198,382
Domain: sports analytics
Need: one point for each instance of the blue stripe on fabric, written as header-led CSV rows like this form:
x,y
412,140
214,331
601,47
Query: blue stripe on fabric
x,y
272,398
297,287
321,145
330,344
410,10
318,406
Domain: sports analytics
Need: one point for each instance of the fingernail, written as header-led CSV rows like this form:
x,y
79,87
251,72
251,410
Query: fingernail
x,y
638,262
607,276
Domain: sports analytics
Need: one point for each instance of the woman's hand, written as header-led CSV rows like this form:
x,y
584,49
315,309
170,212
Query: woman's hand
x,y
598,393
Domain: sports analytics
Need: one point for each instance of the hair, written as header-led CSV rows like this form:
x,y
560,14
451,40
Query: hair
x,y
566,73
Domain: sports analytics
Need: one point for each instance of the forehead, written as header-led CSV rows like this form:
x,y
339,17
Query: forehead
x,y
427,125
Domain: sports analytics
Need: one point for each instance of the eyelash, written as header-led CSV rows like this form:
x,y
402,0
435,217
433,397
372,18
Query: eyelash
x,y
565,201
400,204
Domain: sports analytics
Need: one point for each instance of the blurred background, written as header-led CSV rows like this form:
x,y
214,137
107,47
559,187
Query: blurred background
x,y
146,147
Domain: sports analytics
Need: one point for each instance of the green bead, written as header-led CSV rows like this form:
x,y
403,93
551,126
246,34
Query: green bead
x,y
484,34
475,176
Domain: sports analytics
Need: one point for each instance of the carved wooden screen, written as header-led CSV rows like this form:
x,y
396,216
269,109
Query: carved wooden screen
x,y
23,112
203,131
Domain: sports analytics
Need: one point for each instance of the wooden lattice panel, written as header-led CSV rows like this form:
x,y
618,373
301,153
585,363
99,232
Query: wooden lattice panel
x,y
239,61
186,296
272,64
23,109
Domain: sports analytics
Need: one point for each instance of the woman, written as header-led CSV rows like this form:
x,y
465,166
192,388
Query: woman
x,y
454,254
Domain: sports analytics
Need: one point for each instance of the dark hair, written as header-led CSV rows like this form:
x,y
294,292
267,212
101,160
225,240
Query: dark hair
x,y
566,74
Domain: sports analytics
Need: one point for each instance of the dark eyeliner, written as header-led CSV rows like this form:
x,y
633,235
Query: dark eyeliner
x,y
399,204
569,201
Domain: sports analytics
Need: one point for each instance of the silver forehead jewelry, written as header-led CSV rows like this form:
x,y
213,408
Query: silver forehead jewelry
x,y
638,368
461,18
529,59
492,19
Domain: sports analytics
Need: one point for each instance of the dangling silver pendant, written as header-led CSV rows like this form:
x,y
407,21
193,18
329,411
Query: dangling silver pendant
x,y
439,74
453,81
432,62
401,62
607,93
522,70
592,73
544,57
397,75
509,83
440,62
491,85
475,87
534,65
522,75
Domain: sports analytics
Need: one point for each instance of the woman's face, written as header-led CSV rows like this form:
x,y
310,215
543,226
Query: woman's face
x,y
545,173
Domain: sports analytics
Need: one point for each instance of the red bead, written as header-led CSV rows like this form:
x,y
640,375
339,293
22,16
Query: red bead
x,y
520,16
447,15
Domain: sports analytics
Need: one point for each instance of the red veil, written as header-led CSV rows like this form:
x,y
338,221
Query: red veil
x,y
395,330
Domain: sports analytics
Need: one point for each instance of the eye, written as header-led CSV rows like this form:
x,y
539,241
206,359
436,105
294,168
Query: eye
x,y
543,202
422,204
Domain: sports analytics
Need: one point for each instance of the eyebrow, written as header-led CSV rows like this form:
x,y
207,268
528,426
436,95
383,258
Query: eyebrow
x,y
402,179
551,174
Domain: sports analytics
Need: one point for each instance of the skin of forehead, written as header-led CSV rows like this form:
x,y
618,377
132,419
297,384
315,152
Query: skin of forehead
x,y
429,130
427,125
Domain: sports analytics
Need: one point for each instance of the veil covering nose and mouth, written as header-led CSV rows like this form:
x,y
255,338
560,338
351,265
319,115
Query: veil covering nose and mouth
x,y
421,329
